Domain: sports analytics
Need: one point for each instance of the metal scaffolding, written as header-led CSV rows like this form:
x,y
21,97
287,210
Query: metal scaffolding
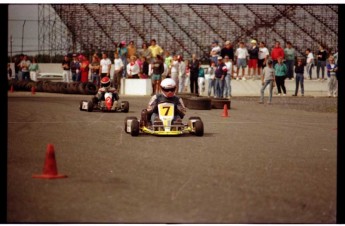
x,y
184,28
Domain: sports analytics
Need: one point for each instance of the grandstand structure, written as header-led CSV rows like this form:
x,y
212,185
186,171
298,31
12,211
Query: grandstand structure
x,y
190,28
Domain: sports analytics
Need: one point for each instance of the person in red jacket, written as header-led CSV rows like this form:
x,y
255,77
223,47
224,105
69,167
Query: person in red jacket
x,y
277,52
84,68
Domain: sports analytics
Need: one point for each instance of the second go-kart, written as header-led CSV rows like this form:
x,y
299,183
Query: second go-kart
x,y
164,126
105,105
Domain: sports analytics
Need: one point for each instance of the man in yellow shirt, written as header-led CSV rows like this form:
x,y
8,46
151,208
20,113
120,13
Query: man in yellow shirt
x,y
155,49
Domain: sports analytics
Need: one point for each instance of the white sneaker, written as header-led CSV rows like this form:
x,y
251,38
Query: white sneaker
x,y
279,94
237,78
244,79
284,94
334,95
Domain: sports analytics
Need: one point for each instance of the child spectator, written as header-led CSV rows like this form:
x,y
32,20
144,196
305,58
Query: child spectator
x,y
267,78
227,83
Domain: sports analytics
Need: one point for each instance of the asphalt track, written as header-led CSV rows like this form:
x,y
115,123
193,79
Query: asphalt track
x,y
263,164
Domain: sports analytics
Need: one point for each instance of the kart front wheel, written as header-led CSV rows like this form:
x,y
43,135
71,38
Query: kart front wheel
x,y
199,128
135,128
90,106
125,106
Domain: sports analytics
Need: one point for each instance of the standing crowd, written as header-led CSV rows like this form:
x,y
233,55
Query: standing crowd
x,y
151,61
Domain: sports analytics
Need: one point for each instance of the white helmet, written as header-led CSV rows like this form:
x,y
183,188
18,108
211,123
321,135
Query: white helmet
x,y
168,87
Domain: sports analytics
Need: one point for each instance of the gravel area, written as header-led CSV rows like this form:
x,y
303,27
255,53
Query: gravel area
x,y
307,103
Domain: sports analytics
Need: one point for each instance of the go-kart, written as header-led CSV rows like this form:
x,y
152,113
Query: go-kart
x,y
164,126
105,105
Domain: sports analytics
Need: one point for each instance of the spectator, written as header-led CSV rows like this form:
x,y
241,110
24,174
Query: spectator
x,y
105,66
310,62
201,79
215,51
24,67
155,49
174,70
194,74
133,68
299,70
144,71
211,79
277,52
220,74
17,71
95,66
131,50
253,59
33,69
227,51
118,68
267,78
332,69
84,69
157,71
167,59
146,52
335,56
289,53
241,55
321,62
75,69
182,74
123,53
263,56
66,67
227,78
280,75
9,72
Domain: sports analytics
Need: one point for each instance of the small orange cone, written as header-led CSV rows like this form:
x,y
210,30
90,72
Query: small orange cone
x,y
225,111
50,169
33,90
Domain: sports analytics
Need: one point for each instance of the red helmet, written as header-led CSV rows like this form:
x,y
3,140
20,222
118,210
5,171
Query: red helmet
x,y
105,82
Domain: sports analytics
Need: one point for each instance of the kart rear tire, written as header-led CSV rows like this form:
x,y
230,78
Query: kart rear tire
x,y
125,106
89,106
135,128
199,128
130,117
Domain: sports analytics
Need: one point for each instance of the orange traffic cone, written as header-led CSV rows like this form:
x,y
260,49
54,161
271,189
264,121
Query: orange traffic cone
x,y
50,169
225,111
33,90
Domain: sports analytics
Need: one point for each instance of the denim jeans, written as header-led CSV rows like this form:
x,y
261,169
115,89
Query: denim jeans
x,y
211,85
266,83
219,87
299,80
95,79
227,85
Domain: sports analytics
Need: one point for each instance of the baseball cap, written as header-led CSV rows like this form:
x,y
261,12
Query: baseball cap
x,y
253,41
220,58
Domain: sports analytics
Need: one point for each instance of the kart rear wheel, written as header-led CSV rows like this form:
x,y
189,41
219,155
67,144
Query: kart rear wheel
x,y
125,106
129,118
199,128
135,128
89,106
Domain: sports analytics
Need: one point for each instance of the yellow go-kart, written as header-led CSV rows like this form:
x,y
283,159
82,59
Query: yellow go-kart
x,y
165,126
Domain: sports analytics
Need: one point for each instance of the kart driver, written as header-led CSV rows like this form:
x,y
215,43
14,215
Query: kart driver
x,y
106,87
168,88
